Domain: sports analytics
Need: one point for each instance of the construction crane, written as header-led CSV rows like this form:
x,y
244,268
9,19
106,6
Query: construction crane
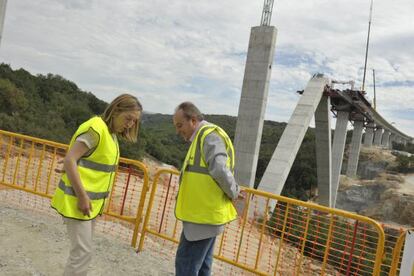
x,y
267,13
366,49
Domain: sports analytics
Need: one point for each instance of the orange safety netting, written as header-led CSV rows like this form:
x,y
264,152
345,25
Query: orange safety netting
x,y
31,165
295,238
289,238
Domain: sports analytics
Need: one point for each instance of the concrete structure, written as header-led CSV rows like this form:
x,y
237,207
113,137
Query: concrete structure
x,y
355,148
323,151
318,96
3,4
369,134
282,159
385,138
253,102
338,151
392,140
349,104
378,136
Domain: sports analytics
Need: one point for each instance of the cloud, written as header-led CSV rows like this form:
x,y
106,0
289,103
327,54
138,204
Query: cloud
x,y
170,51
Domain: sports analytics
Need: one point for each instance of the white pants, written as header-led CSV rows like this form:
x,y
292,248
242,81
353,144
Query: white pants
x,y
80,235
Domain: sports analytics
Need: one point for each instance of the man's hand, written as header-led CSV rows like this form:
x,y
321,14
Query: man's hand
x,y
239,202
242,195
85,205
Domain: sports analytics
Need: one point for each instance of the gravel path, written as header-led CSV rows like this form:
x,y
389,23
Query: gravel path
x,y
36,244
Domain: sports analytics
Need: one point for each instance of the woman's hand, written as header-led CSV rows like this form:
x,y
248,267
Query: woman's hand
x,y
75,153
85,205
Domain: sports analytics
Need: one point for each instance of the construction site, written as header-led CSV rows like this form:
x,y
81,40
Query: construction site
x,y
138,232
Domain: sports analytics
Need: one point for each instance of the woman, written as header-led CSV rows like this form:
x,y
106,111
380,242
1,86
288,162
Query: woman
x,y
89,167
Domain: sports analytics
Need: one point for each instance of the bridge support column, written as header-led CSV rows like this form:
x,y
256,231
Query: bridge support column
x,y
392,139
378,136
355,148
369,134
397,139
323,151
282,159
253,103
338,151
3,4
385,139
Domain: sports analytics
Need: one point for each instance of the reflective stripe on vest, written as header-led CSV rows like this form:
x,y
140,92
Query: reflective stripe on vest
x,y
96,166
196,167
69,191
197,156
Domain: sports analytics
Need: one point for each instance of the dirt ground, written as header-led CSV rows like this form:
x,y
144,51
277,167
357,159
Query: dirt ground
x,y
36,244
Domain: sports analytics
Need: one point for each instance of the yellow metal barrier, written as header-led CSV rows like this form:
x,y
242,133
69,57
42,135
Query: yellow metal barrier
x,y
296,238
397,253
31,165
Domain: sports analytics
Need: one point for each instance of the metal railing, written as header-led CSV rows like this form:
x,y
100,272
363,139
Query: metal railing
x,y
397,253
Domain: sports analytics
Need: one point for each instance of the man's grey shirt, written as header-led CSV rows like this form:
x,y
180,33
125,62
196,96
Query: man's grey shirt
x,y
215,155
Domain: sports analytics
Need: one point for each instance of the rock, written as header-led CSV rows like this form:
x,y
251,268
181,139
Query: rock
x,y
380,194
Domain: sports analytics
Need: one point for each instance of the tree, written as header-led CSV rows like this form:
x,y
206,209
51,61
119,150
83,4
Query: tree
x,y
12,99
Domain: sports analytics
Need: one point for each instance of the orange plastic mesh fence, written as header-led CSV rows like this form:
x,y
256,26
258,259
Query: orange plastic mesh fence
x,y
29,164
296,238
394,248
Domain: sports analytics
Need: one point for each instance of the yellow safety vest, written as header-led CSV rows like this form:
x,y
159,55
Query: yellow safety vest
x,y
97,171
200,198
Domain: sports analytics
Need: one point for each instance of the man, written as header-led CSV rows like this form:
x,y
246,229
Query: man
x,y
207,188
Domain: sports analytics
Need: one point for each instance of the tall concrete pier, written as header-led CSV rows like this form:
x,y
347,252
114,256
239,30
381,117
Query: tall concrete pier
x,y
282,159
385,138
378,136
253,99
3,4
369,134
338,151
355,148
253,102
323,151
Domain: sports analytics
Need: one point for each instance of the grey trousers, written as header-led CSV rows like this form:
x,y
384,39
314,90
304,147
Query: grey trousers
x,y
80,235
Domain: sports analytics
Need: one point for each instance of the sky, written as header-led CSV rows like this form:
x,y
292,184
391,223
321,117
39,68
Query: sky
x,y
166,52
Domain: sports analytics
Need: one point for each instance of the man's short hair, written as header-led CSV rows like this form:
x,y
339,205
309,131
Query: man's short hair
x,y
190,111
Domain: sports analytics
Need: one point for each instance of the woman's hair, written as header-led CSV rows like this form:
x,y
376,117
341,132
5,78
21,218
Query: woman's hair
x,y
123,103
190,111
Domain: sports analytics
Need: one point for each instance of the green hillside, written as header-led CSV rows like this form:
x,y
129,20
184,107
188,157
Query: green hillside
x,y
52,107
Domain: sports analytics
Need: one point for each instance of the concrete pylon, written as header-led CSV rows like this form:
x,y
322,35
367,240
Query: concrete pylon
x,y
385,138
399,140
378,136
3,4
392,139
282,159
323,151
338,151
253,102
369,134
355,149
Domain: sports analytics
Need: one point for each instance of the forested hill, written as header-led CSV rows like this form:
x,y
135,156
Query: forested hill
x,y
52,107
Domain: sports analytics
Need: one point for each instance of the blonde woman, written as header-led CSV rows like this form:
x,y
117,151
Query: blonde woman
x,y
89,170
